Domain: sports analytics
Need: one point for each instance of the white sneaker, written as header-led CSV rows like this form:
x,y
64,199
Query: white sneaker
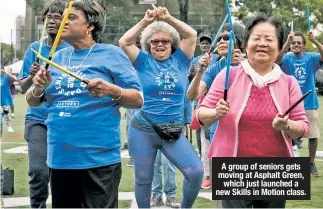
x,y
12,115
10,130
295,151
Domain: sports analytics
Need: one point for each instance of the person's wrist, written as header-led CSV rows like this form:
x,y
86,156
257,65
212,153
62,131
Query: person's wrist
x,y
200,70
145,22
289,126
117,93
168,18
36,92
315,42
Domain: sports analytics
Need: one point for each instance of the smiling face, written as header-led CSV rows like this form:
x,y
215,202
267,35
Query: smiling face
x,y
161,46
262,45
297,45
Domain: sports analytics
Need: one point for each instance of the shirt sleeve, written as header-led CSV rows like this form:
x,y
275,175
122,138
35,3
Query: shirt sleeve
x,y
284,64
317,64
182,58
208,77
140,61
29,59
123,73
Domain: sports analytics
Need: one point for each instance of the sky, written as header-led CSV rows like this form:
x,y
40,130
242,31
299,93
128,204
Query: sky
x,y
9,10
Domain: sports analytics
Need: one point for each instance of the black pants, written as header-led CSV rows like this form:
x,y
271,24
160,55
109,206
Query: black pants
x,y
253,203
87,188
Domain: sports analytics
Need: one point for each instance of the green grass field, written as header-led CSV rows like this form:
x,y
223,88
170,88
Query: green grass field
x,y
19,162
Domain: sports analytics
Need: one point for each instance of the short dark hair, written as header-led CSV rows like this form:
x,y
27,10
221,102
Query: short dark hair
x,y
298,33
55,6
95,16
239,32
273,20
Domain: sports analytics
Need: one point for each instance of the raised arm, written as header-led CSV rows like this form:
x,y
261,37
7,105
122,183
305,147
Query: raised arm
x,y
127,41
186,32
319,46
197,87
285,48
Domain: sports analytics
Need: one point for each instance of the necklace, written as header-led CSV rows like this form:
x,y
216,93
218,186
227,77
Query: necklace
x,y
78,67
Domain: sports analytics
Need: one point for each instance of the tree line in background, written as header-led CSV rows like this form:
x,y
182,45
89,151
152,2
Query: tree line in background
x,y
7,54
287,10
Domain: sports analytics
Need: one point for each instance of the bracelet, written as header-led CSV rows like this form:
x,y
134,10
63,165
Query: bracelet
x,y
117,99
32,92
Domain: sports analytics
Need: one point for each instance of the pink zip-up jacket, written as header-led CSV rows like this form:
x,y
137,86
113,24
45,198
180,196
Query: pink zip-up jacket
x,y
285,92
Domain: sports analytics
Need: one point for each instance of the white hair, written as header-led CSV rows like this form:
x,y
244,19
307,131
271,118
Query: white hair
x,y
155,27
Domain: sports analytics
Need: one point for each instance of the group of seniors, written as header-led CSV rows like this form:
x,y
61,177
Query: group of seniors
x,y
81,127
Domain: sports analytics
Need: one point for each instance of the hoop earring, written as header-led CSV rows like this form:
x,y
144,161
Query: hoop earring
x,y
88,33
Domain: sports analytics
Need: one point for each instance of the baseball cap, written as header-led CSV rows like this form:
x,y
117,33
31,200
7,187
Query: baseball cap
x,y
206,37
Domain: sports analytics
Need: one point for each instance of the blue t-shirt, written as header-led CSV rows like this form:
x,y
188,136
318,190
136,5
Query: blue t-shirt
x,y
83,131
304,68
39,113
208,77
6,98
164,84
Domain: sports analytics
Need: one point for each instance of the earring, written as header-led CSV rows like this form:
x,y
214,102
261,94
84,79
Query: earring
x,y
88,33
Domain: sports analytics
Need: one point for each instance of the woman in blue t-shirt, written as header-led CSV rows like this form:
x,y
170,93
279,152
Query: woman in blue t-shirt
x,y
162,73
83,119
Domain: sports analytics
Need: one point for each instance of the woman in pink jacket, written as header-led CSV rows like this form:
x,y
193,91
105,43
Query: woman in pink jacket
x,y
250,121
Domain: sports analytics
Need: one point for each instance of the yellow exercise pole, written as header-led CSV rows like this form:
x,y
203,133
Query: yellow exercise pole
x,y
60,68
59,33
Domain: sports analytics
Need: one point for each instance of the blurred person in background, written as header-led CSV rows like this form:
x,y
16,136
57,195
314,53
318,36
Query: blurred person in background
x,y
303,66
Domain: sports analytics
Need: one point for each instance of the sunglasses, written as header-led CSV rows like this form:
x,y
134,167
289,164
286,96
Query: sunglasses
x,y
156,42
225,37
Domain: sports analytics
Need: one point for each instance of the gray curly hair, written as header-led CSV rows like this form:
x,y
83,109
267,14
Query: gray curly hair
x,y
155,27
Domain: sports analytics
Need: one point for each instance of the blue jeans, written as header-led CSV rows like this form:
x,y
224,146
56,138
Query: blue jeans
x,y
162,163
144,144
36,137
129,115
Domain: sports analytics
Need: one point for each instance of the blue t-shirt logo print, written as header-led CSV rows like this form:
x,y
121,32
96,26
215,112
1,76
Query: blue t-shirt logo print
x,y
167,79
300,73
71,89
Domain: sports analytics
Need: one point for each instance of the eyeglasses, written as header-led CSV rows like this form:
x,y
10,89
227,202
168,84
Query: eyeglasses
x,y
225,37
156,42
55,18
297,42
